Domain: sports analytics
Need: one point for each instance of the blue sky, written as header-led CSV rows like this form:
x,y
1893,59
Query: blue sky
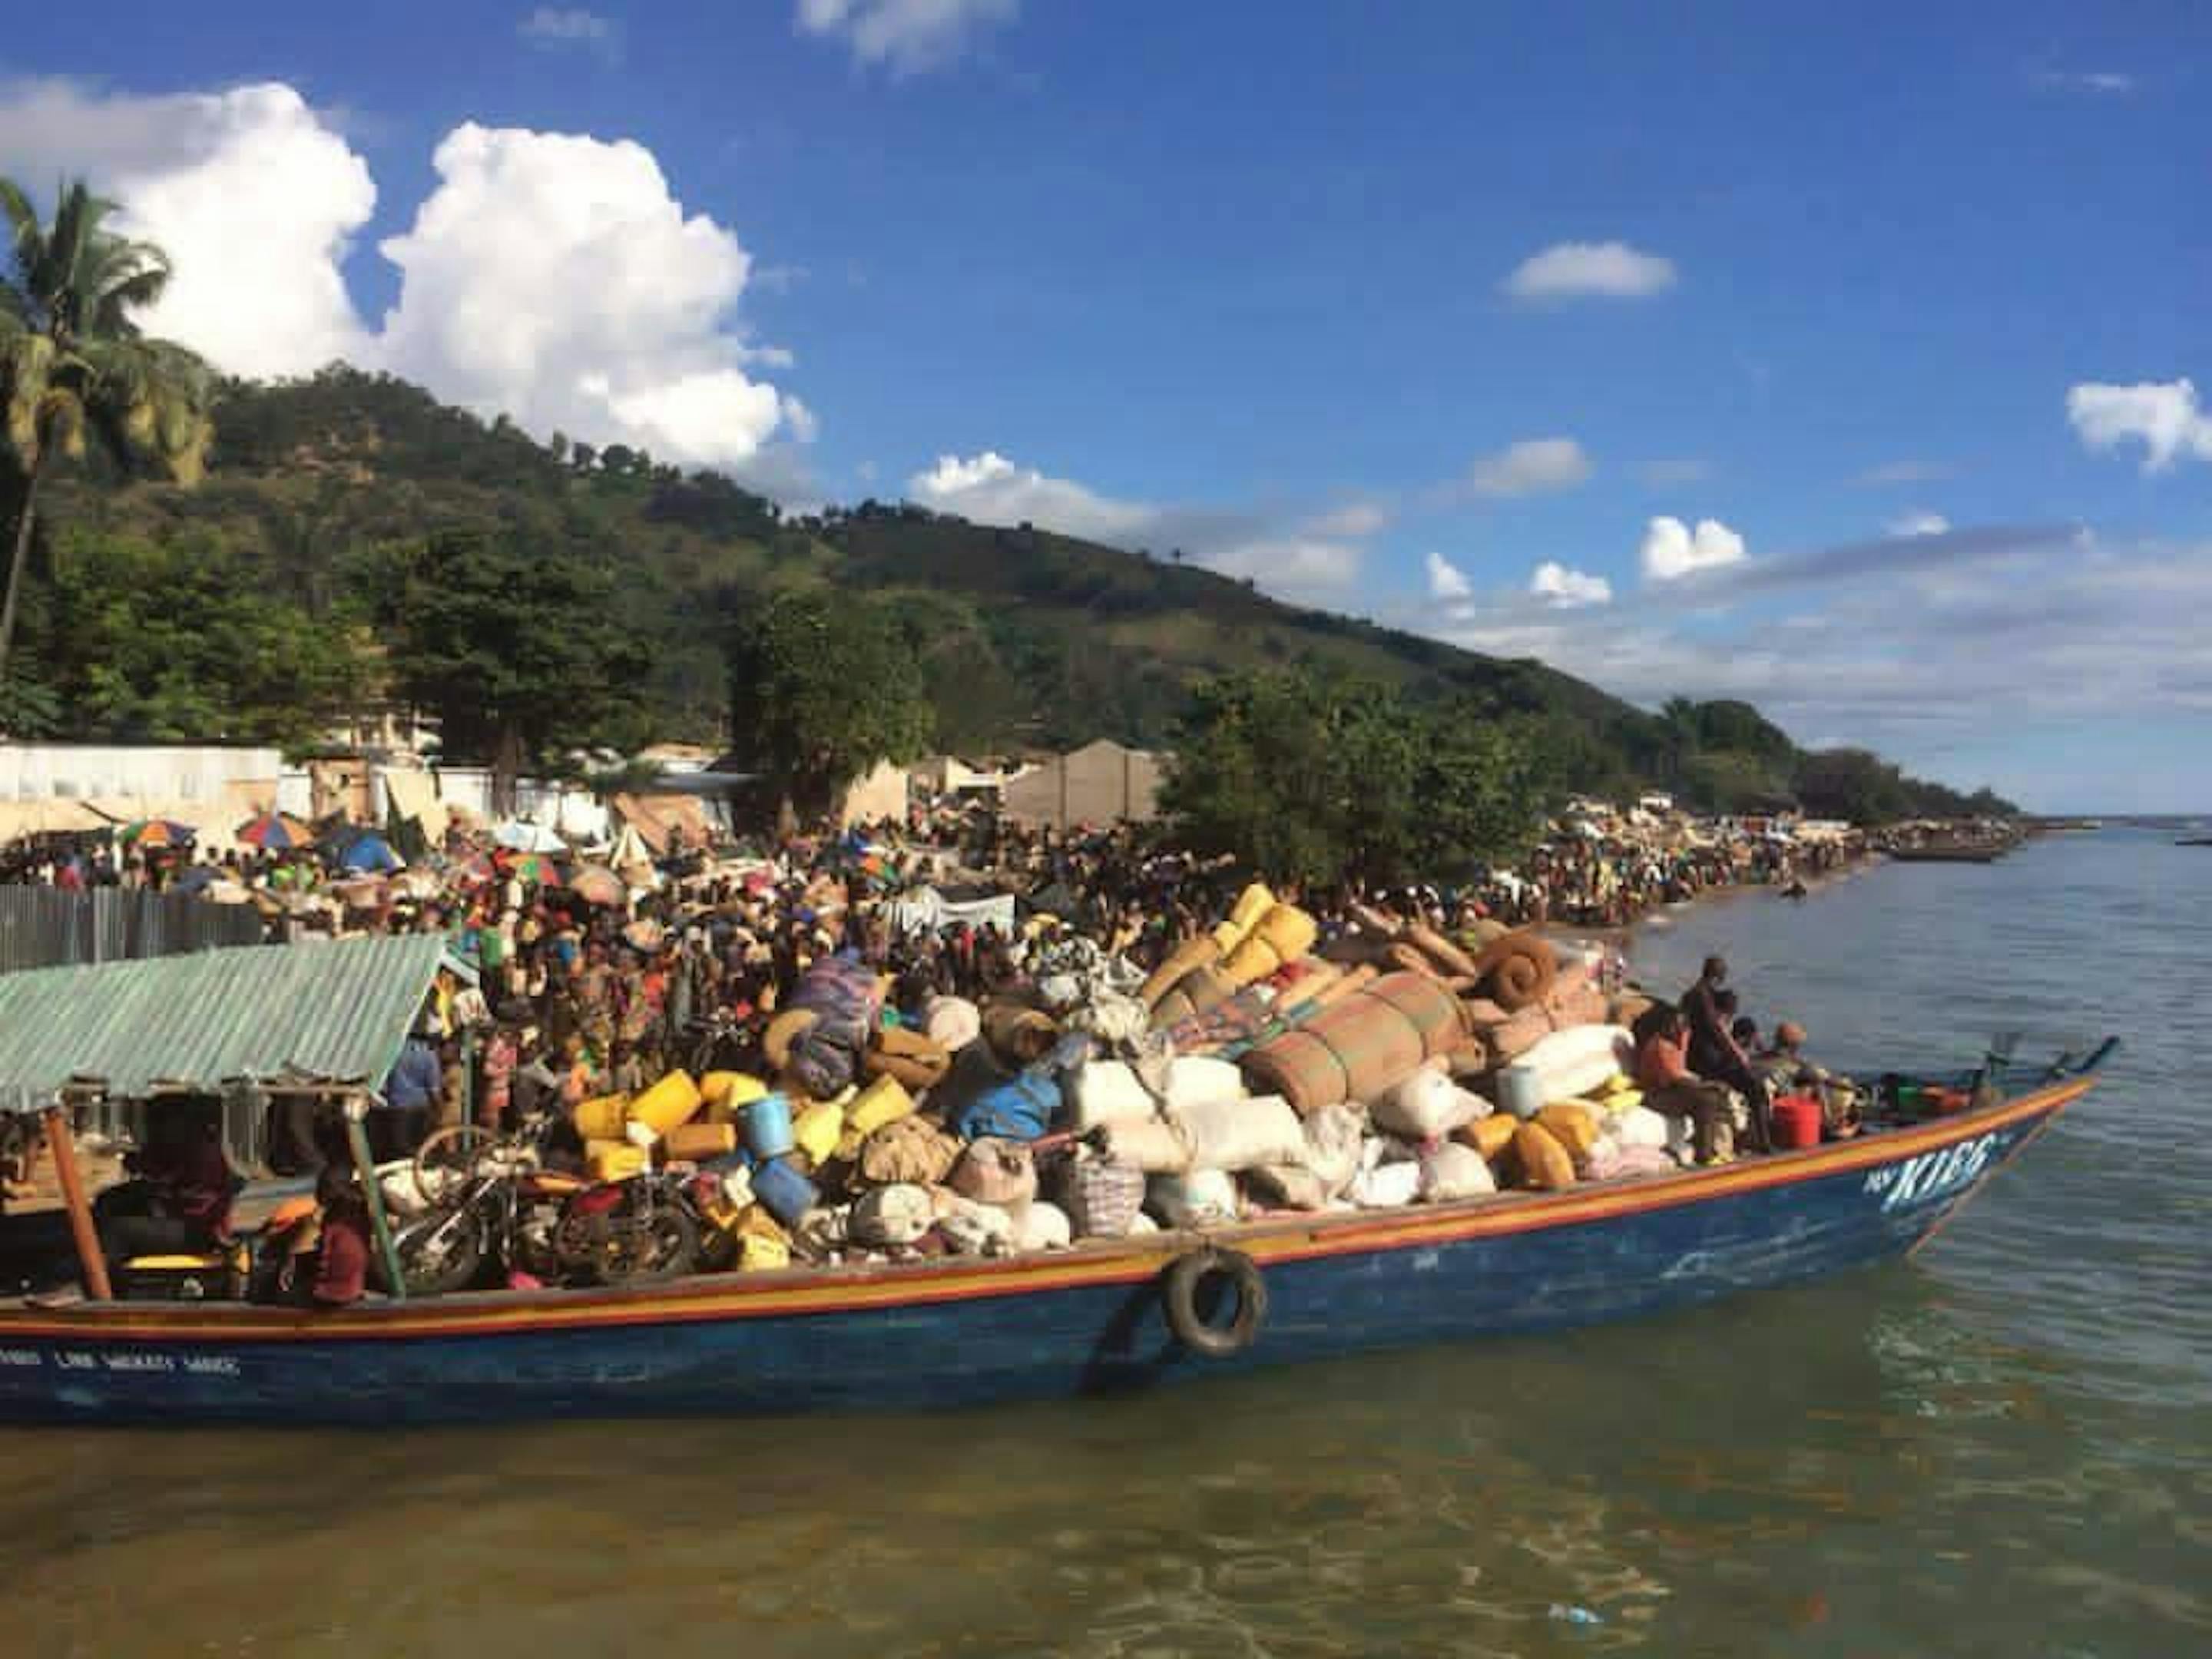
x,y
1466,318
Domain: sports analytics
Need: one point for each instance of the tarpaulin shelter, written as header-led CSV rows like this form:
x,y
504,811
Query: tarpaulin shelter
x,y
659,818
370,851
414,796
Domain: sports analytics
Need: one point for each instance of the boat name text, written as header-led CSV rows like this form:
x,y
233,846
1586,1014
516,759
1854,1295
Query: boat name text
x,y
1933,1175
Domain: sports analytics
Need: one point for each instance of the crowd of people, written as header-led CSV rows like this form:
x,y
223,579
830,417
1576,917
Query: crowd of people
x,y
573,998
555,998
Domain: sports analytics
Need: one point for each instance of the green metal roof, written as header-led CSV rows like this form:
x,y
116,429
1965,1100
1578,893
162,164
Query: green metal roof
x,y
340,1009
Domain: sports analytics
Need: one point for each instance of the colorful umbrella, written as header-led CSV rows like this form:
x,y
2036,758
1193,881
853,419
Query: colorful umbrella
x,y
157,832
595,884
275,832
535,866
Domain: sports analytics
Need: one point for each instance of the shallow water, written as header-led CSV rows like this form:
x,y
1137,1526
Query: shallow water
x,y
2004,1447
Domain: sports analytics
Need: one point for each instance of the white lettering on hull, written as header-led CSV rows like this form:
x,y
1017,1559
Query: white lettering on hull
x,y
1932,1174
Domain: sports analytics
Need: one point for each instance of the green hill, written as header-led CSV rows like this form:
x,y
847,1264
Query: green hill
x,y
1029,639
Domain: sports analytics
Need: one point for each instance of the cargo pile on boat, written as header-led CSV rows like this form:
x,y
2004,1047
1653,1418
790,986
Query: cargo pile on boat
x,y
1247,1076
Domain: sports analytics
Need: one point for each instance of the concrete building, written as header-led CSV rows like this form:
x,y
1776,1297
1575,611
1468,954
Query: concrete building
x,y
1101,783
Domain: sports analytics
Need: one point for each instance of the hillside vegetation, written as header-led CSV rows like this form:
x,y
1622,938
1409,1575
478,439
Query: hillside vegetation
x,y
289,587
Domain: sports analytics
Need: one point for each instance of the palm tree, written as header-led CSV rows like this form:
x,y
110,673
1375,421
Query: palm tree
x,y
73,362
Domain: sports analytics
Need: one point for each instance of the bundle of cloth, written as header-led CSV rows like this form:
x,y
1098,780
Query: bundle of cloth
x,y
829,1034
1574,998
1262,936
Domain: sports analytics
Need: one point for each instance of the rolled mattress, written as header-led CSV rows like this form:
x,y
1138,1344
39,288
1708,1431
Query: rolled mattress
x,y
1355,1048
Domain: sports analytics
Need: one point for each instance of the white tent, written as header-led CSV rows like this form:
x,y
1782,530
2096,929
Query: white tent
x,y
521,835
632,859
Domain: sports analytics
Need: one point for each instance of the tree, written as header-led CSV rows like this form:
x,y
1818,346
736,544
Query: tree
x,y
185,640
1321,778
510,647
1853,785
822,686
73,361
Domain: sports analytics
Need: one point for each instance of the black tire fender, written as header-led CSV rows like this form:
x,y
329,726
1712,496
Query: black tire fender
x,y
1179,1291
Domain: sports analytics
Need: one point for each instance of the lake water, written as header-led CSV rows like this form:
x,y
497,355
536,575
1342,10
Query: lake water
x,y
2003,1448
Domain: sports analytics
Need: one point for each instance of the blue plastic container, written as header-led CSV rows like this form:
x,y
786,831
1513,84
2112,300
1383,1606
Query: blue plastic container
x,y
786,1193
1521,1091
768,1128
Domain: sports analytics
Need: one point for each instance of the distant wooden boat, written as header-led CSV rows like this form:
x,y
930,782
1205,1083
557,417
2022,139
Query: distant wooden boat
x,y
2194,840
1952,852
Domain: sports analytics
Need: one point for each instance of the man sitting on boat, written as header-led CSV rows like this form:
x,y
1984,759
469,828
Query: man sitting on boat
x,y
1671,1089
177,1201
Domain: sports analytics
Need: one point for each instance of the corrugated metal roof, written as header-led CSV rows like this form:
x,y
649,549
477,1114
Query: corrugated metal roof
x,y
339,1009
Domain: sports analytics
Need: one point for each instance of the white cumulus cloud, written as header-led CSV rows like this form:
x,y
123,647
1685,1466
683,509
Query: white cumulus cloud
x,y
252,195
1446,579
1555,582
551,277
556,276
1533,467
1574,271
990,489
904,36
2164,416
1297,558
1918,524
1293,565
1671,550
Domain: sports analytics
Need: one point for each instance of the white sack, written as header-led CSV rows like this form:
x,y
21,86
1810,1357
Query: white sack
x,y
1204,1198
1195,1079
1639,1126
1158,1146
1452,1171
1243,1134
1287,1187
1387,1186
1577,1060
1103,1091
1042,1226
1425,1106
1332,1139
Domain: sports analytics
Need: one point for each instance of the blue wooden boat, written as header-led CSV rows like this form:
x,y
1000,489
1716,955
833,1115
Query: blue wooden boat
x,y
970,1331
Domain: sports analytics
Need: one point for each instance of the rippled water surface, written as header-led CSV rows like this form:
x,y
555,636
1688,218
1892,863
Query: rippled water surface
x,y
2004,1448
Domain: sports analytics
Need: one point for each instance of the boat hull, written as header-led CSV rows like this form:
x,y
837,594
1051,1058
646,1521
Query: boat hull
x,y
1088,1321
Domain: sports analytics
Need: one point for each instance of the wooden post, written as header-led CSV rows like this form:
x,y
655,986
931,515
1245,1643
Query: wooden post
x,y
91,1261
364,1172
469,1074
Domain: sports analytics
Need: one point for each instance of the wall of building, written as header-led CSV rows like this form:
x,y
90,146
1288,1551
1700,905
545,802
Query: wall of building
x,y
173,774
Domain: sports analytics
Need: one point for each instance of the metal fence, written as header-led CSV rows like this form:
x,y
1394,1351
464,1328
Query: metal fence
x,y
46,927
